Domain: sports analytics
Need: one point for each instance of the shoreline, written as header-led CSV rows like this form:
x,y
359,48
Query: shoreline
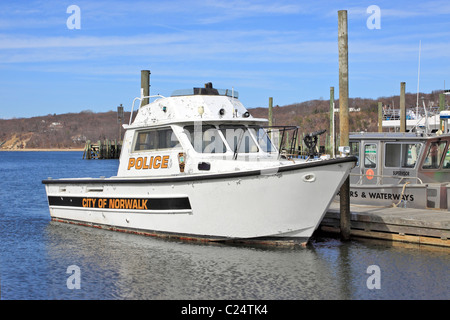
x,y
41,149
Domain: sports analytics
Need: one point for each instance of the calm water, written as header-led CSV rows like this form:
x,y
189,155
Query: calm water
x,y
36,254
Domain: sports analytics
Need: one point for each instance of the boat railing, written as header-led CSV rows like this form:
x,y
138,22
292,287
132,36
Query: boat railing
x,y
381,177
140,103
286,145
411,113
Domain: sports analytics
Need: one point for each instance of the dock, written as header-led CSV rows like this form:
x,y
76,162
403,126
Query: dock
x,y
420,226
102,150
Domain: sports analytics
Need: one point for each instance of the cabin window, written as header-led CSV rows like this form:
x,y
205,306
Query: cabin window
x,y
354,150
402,155
434,155
370,156
155,139
265,138
446,164
239,139
205,139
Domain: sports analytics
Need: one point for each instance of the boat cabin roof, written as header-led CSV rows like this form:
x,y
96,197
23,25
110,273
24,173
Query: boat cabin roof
x,y
191,105
394,136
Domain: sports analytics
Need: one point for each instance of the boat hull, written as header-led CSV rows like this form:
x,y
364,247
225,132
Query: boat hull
x,y
279,205
417,196
409,196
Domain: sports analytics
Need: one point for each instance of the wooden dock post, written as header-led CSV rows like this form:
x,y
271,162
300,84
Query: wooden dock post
x,y
145,85
402,108
344,118
87,150
270,111
380,116
105,149
332,141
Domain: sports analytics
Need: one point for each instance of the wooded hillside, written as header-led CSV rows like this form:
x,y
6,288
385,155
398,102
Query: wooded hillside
x,y
59,131
72,130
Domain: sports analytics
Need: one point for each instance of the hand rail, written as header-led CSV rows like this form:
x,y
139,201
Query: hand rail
x,y
383,176
140,103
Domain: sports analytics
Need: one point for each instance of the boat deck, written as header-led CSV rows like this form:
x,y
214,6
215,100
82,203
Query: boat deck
x,y
431,226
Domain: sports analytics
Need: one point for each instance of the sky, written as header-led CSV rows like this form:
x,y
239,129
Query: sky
x,y
60,56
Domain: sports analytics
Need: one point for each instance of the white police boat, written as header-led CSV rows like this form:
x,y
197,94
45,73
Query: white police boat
x,y
197,166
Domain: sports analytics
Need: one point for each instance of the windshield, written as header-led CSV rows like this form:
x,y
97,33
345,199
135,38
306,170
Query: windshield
x,y
205,139
238,139
264,138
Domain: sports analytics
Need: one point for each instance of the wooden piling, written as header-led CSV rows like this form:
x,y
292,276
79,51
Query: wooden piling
x,y
87,148
402,108
332,149
441,108
380,116
105,149
145,85
270,111
344,118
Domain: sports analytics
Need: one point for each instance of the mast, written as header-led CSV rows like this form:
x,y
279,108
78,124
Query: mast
x,y
418,78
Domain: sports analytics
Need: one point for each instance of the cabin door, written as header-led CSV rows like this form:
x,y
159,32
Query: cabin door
x,y
370,163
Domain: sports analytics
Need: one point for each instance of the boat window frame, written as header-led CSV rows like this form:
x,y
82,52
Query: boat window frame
x,y
375,165
249,131
137,133
357,152
193,145
447,153
401,161
271,147
246,133
428,150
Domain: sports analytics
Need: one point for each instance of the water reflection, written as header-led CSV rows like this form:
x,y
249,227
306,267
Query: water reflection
x,y
124,266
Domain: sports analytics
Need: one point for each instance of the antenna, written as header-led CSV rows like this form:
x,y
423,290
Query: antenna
x,y
418,78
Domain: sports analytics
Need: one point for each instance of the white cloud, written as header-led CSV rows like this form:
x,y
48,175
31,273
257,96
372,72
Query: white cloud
x,y
249,45
220,11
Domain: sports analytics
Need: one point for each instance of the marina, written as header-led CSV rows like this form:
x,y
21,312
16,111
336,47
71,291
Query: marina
x,y
202,202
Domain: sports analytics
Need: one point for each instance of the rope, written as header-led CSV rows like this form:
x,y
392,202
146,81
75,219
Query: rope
x,y
401,196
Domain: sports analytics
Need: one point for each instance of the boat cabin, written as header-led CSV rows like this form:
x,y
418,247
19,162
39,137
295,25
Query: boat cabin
x,y
401,161
198,130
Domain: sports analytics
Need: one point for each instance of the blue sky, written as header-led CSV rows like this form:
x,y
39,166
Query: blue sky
x,y
283,49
